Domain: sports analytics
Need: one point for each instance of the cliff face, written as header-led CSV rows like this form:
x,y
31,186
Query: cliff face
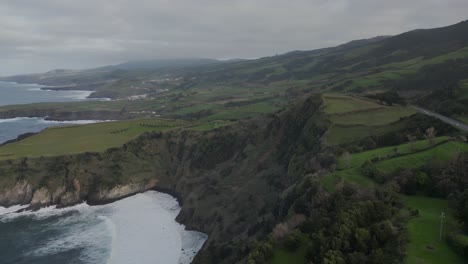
x,y
20,193
24,193
229,181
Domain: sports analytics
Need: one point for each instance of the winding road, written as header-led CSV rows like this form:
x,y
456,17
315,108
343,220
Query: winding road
x,y
444,119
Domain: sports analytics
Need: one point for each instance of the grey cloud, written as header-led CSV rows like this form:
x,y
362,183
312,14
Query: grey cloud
x,y
39,35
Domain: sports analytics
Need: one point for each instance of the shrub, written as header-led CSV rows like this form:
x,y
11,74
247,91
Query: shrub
x,y
369,169
293,241
459,243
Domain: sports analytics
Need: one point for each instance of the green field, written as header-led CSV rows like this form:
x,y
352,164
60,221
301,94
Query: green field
x,y
442,152
336,104
424,246
374,117
351,176
344,134
209,125
354,118
85,138
243,112
389,162
398,70
358,159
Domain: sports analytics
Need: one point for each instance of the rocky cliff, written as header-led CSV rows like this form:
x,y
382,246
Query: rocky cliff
x,y
230,180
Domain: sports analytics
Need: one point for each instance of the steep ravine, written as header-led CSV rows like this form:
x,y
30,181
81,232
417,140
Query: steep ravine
x,y
229,181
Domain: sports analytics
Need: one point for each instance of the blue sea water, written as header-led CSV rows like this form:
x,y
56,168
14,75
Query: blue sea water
x,y
140,229
14,93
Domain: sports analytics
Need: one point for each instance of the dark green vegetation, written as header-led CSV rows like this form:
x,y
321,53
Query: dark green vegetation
x,y
305,157
423,66
215,173
264,190
402,161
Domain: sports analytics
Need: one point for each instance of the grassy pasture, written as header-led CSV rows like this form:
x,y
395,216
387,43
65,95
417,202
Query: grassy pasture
x,y
343,134
354,118
336,104
351,176
411,159
358,159
442,152
413,65
209,125
243,112
424,246
377,117
76,139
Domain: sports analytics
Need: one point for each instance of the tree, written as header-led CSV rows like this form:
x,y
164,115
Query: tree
x,y
333,257
462,208
369,169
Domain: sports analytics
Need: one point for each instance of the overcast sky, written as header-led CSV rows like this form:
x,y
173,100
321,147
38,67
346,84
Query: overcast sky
x,y
36,36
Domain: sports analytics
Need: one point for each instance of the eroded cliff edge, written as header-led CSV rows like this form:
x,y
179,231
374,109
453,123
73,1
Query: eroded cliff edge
x,y
230,180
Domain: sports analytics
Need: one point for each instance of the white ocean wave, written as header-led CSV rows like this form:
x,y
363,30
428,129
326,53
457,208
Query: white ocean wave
x,y
44,212
83,230
72,122
77,94
11,209
44,121
138,229
35,89
16,119
29,84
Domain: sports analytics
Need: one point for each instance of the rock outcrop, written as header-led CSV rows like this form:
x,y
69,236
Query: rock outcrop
x,y
21,193
24,193
41,197
119,192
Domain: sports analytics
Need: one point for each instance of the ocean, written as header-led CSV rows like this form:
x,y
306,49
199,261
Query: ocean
x,y
140,229
14,94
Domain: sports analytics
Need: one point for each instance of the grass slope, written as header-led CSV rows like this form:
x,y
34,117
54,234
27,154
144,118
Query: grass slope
x,y
354,118
390,161
358,159
442,152
424,246
86,138
337,103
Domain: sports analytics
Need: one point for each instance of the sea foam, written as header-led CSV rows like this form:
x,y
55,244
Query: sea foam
x,y
138,229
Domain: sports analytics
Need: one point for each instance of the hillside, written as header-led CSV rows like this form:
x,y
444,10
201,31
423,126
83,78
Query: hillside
x,y
295,158
180,162
114,81
428,67
286,159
